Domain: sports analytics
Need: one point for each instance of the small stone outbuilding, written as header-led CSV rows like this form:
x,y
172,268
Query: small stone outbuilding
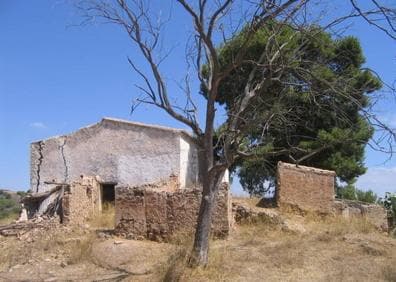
x,y
312,189
306,188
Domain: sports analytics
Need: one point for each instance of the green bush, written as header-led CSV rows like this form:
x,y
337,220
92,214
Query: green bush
x,y
21,194
347,192
366,196
390,203
8,207
4,195
350,192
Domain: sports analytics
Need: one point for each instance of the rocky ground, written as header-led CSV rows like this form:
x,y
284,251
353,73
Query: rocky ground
x,y
265,246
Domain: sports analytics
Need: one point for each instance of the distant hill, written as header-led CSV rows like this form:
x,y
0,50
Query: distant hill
x,y
10,205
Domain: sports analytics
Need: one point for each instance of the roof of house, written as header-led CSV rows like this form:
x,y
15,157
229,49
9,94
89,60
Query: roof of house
x,y
125,122
140,124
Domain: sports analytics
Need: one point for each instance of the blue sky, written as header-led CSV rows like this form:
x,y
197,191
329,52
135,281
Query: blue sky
x,y
56,78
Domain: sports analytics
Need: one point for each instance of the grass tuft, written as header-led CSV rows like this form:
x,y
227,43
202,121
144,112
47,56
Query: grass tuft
x,y
9,218
105,219
338,226
389,272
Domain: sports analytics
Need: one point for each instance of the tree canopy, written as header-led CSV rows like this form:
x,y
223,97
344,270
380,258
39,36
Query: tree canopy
x,y
310,112
350,192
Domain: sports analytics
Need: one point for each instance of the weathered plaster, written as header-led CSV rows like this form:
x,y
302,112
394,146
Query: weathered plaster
x,y
36,155
117,151
188,163
62,151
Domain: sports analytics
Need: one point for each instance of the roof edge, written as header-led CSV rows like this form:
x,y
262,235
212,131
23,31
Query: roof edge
x,y
140,124
307,168
116,120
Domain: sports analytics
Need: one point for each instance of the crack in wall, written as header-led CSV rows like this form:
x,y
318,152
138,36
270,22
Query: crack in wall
x,y
40,161
62,148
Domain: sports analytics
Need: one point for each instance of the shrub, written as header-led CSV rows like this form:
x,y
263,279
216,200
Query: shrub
x,y
21,194
366,196
350,192
347,192
390,203
9,208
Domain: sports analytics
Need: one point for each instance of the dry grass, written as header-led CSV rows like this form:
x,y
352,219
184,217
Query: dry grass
x,y
252,201
76,246
332,249
9,219
175,267
81,249
71,246
336,226
389,272
106,219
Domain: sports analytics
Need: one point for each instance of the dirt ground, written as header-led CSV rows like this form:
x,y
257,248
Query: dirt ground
x,y
325,249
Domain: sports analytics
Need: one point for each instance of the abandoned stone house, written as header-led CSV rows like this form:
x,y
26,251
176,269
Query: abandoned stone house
x,y
149,172
151,176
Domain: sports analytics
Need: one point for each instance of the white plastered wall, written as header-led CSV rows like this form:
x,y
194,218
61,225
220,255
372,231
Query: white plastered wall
x,y
188,163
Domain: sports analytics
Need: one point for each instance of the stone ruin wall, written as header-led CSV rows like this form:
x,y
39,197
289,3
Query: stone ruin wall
x,y
304,187
312,189
81,201
156,215
375,214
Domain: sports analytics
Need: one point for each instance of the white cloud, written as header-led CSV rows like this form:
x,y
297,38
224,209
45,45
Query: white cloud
x,y
38,124
378,179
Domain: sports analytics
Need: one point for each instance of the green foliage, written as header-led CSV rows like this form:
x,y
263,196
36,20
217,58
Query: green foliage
x,y
366,196
8,206
390,203
350,192
312,106
21,194
4,195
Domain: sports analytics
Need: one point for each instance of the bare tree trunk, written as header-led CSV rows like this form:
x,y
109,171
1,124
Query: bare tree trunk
x,y
211,176
211,184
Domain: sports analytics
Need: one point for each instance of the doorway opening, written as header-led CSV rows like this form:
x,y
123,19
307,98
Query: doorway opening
x,y
107,197
108,194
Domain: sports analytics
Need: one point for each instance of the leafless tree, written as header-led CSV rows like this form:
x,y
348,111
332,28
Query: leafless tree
x,y
215,22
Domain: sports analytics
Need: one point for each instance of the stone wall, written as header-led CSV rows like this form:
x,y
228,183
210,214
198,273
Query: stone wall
x,y
81,200
375,214
148,213
305,188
